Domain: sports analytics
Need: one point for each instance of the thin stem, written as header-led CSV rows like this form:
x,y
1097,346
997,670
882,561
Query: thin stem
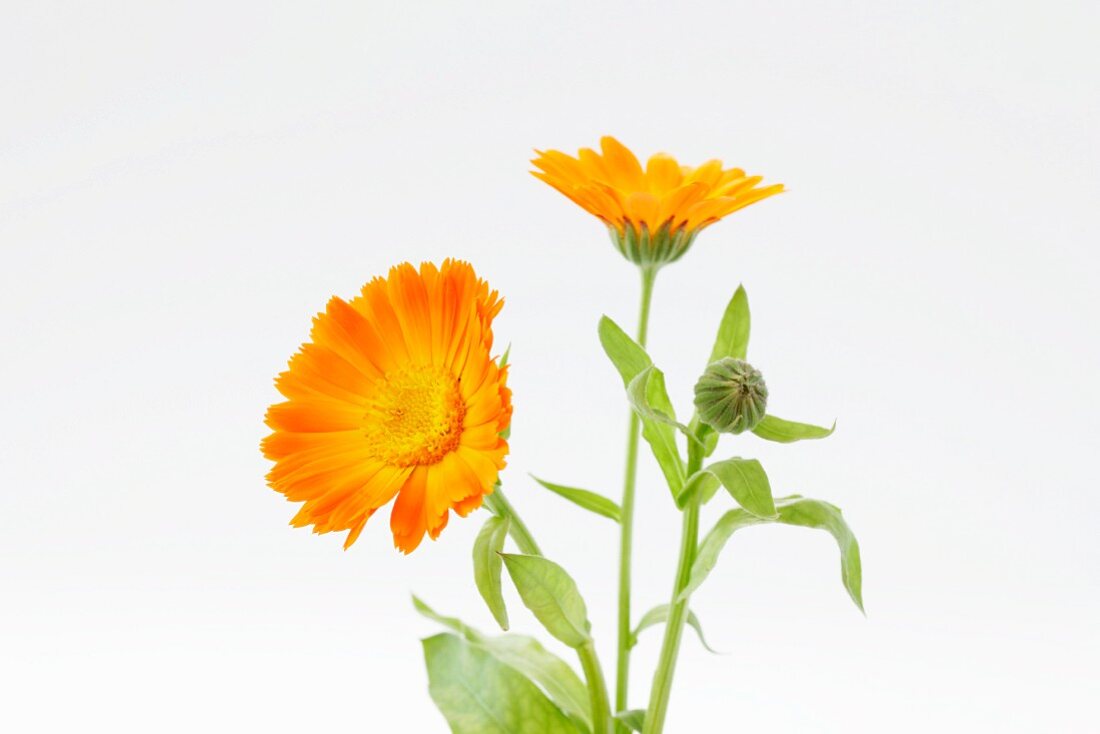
x,y
626,538
593,673
499,504
597,688
674,627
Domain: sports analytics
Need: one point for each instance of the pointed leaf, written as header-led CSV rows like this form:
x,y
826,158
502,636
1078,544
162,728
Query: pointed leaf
x,y
582,497
733,331
649,399
634,718
478,694
487,566
792,511
824,516
527,656
630,360
658,615
628,357
451,623
744,479
781,431
551,595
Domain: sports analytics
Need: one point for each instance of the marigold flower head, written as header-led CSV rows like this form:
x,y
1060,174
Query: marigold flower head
x,y
655,213
395,395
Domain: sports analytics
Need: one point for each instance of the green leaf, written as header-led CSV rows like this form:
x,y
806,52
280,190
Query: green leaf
x,y
631,360
627,356
634,718
744,479
526,655
658,615
733,332
451,623
824,516
582,497
557,679
478,694
649,399
792,511
781,431
747,482
551,595
487,565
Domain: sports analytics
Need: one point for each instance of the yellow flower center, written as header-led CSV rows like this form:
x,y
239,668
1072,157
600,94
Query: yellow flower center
x,y
414,417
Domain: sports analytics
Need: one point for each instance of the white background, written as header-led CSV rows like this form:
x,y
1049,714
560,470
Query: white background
x,y
183,185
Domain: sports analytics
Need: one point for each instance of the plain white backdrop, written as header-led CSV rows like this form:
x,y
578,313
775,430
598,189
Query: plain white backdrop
x,y
183,185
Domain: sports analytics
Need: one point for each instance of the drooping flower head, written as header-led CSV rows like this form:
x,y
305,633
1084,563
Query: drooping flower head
x,y
655,213
395,395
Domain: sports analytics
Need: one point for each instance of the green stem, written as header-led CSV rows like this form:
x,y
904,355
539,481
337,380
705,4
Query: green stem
x,y
500,505
593,673
626,523
674,627
597,689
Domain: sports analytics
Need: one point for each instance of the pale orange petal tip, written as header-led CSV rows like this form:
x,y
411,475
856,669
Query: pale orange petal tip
x,y
380,406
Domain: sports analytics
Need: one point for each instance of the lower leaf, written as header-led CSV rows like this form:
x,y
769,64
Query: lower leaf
x,y
478,694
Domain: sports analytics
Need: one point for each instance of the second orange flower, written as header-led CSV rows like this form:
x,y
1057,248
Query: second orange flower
x,y
394,396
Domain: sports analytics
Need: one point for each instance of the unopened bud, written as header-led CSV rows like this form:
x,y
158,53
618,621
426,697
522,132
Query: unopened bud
x,y
731,396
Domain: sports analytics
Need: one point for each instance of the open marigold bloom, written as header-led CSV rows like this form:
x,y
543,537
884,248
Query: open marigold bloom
x,y
395,395
655,213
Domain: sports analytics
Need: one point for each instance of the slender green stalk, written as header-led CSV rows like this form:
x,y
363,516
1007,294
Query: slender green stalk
x,y
674,627
590,663
626,538
597,689
500,505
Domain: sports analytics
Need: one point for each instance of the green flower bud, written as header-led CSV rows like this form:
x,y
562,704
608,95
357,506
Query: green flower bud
x,y
731,396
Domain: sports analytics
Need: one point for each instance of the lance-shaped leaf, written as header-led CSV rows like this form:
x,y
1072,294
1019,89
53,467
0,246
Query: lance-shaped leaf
x,y
582,497
744,479
487,566
630,360
733,331
634,718
551,595
649,399
478,694
781,431
658,615
792,511
527,656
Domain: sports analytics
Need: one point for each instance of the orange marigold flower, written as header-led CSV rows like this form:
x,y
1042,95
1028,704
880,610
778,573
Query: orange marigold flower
x,y
395,395
653,214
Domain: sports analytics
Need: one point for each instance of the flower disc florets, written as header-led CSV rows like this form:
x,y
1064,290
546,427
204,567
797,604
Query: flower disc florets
x,y
731,396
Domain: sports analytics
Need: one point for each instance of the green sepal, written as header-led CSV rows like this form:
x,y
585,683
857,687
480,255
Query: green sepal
x,y
782,431
478,694
487,566
659,614
551,595
590,501
792,510
528,657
